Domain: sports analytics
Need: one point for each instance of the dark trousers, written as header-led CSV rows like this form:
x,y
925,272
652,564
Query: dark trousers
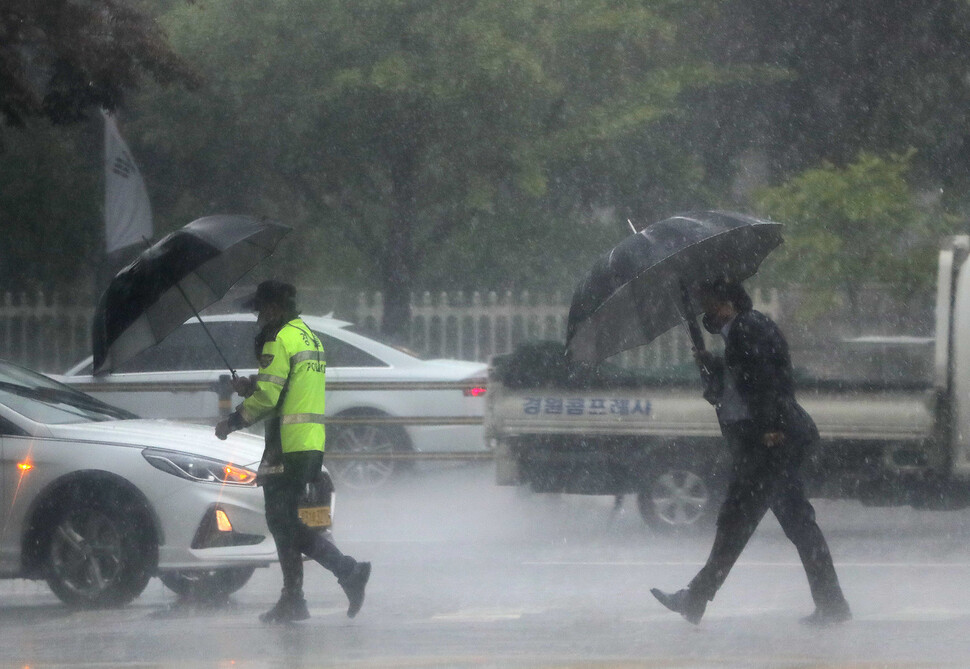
x,y
282,494
767,478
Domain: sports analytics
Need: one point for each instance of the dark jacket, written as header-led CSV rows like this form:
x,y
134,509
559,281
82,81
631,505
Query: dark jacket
x,y
757,354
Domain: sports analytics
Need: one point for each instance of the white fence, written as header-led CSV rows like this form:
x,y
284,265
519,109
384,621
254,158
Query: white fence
x,y
475,326
51,334
46,333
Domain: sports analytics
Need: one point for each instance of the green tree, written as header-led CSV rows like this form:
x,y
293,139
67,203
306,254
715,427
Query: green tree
x,y
49,187
854,226
59,58
854,75
397,125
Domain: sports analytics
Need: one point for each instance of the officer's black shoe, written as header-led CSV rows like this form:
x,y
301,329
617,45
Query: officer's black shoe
x,y
290,608
353,585
690,606
828,615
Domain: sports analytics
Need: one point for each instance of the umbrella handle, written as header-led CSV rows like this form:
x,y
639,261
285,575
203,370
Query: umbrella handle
x,y
693,329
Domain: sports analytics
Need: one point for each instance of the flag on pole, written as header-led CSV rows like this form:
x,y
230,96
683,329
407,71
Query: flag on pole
x,y
127,211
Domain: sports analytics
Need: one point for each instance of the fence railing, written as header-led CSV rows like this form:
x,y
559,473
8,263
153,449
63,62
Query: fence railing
x,y
45,333
51,334
475,326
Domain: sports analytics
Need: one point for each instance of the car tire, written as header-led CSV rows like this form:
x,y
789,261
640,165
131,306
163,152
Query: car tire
x,y
678,498
367,440
206,585
98,554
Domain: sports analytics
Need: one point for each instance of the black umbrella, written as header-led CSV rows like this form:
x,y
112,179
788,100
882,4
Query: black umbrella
x,y
640,289
173,280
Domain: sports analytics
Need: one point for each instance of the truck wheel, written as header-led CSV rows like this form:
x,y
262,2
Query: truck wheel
x,y
677,499
210,585
369,441
96,557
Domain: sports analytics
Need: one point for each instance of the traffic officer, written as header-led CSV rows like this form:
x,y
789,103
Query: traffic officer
x,y
288,392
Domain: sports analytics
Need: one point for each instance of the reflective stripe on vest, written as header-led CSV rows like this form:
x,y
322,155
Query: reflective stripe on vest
x,y
278,380
245,414
297,418
316,356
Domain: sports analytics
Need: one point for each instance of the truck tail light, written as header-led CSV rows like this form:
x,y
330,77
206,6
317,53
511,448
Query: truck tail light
x,y
474,391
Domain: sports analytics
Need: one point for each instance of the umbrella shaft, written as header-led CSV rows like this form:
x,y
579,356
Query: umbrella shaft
x,y
683,303
204,327
694,330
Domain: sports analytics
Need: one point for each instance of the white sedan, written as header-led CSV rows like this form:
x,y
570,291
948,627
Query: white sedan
x,y
421,406
97,502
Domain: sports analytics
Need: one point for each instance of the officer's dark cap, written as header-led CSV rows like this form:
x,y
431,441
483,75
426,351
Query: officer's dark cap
x,y
271,292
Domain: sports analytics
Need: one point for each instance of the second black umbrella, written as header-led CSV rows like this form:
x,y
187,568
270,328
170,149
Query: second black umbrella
x,y
639,290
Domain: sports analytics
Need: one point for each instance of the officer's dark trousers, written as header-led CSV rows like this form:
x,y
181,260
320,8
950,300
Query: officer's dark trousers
x,y
293,538
767,478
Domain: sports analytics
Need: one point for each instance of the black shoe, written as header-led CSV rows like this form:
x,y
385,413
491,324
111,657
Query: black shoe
x,y
683,602
289,609
828,615
353,585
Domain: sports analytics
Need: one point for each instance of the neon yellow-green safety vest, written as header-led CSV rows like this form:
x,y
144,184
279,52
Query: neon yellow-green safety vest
x,y
291,384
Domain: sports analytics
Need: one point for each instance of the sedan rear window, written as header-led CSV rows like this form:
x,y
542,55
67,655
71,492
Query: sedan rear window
x,y
341,354
189,348
376,336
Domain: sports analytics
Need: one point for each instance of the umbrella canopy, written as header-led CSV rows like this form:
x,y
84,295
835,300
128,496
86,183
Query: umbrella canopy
x,y
638,290
173,280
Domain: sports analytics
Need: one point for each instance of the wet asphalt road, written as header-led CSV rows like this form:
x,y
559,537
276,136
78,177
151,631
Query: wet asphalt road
x,y
467,574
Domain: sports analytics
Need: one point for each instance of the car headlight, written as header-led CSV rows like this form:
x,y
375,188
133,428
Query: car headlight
x,y
196,468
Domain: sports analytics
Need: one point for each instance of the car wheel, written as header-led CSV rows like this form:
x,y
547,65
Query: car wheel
x,y
96,558
677,498
369,441
207,584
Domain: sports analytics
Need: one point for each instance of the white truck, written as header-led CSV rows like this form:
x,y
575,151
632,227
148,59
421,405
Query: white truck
x,y
885,440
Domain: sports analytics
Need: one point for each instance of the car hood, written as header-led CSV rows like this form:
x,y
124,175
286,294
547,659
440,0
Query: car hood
x,y
241,448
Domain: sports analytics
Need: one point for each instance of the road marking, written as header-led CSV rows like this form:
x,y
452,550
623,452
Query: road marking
x,y
479,615
560,662
686,563
912,614
330,611
554,662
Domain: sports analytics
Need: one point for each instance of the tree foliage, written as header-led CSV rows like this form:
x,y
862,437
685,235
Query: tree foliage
x,y
853,75
59,58
851,226
49,183
488,144
394,125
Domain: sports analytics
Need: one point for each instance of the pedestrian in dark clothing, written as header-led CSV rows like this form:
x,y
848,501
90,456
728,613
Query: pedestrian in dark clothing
x,y
289,394
770,436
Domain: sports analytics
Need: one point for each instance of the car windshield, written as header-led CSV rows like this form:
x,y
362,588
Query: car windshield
x,y
370,334
44,400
